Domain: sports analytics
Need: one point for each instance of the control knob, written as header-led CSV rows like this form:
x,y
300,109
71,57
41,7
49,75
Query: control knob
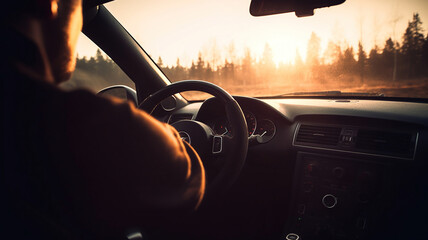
x,y
329,201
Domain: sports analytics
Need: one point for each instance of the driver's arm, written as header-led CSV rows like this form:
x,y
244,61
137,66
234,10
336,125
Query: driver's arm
x,y
124,163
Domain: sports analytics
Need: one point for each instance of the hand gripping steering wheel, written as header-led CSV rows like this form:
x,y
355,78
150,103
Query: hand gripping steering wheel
x,y
231,149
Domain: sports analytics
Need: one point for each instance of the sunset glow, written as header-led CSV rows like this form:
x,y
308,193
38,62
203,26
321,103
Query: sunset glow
x,y
377,47
181,29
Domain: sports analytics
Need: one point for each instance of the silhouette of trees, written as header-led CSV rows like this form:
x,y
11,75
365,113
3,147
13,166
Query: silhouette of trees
x,y
266,66
160,62
179,71
374,62
411,50
347,61
362,58
313,51
425,55
338,66
388,59
97,73
247,70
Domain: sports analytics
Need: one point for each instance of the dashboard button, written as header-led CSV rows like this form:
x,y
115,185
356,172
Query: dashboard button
x,y
217,144
292,236
329,201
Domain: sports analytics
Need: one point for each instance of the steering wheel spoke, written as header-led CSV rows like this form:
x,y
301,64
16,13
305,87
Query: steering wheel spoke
x,y
232,151
217,144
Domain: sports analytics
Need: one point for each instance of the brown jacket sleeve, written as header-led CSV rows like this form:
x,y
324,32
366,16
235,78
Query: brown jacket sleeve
x,y
124,166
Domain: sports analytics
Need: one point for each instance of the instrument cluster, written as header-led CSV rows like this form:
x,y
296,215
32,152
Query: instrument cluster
x,y
260,128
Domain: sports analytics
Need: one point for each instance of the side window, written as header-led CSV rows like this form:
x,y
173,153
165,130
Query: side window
x,y
94,69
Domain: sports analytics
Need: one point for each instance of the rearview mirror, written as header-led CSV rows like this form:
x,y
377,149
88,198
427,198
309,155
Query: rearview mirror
x,y
120,91
302,8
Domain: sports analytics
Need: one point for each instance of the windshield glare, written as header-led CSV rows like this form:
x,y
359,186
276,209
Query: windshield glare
x,y
376,48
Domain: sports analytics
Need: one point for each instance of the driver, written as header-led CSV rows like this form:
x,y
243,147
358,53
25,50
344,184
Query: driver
x,y
76,165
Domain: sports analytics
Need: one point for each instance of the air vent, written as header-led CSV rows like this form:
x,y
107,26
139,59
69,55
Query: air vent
x,y
318,135
388,143
178,117
352,139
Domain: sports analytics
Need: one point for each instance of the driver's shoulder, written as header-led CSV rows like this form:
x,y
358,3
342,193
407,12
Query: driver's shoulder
x,y
98,115
86,100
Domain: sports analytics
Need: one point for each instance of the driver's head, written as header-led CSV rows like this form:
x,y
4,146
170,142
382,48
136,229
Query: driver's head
x,y
54,26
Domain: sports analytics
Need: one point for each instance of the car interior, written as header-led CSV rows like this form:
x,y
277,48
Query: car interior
x,y
335,166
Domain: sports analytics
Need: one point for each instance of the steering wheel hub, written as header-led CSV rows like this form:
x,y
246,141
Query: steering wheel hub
x,y
197,134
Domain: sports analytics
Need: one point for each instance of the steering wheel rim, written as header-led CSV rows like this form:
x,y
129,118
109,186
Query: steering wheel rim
x,y
235,146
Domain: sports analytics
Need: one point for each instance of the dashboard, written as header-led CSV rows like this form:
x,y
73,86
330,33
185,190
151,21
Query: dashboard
x,y
261,126
324,168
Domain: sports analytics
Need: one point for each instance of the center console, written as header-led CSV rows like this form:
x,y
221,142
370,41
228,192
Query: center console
x,y
337,198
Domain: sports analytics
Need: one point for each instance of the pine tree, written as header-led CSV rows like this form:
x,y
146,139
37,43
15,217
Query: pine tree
x,y
192,71
313,50
425,55
267,56
160,62
100,63
179,71
267,66
388,59
298,72
348,61
200,67
298,62
362,57
374,61
413,41
99,56
81,63
332,53
247,67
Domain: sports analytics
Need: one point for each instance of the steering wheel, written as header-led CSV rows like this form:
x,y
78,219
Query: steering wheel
x,y
231,149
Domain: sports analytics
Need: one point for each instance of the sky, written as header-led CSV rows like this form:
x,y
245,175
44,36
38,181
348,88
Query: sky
x,y
173,29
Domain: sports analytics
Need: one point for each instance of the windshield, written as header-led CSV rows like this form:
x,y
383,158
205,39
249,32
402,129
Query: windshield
x,y
361,47
94,69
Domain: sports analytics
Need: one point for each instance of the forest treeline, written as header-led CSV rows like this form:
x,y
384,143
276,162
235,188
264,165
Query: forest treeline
x,y
339,66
